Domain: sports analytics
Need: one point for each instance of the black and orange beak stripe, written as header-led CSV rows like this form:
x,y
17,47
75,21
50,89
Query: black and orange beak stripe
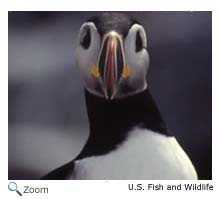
x,y
111,62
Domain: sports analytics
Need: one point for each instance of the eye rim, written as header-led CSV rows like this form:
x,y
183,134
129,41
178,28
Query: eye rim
x,y
138,42
85,37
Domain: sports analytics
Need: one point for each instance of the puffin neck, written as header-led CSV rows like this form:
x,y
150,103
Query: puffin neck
x,y
110,121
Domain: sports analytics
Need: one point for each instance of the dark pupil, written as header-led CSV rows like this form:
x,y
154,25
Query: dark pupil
x,y
139,44
86,40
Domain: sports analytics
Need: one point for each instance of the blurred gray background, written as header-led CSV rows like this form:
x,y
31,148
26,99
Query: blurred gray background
x,y
47,117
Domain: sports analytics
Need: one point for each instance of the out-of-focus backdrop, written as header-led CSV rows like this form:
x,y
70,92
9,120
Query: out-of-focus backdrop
x,y
47,115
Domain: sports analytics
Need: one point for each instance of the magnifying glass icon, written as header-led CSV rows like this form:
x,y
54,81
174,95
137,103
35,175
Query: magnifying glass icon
x,y
12,186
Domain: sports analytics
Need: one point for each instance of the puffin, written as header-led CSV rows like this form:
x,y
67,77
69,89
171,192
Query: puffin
x,y
128,139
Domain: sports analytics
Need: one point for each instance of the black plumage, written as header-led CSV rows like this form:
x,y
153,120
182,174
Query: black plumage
x,y
110,122
119,22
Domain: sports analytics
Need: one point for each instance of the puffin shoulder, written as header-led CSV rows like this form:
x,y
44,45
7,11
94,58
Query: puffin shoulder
x,y
61,173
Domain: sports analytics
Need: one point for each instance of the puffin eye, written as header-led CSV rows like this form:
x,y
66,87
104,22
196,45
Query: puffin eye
x,y
138,42
85,39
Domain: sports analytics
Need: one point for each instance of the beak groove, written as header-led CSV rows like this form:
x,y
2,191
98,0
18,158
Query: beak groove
x,y
111,62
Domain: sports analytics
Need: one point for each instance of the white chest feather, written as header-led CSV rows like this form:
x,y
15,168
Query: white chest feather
x,y
144,155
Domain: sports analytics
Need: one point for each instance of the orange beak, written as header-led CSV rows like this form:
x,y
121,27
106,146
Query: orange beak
x,y
111,62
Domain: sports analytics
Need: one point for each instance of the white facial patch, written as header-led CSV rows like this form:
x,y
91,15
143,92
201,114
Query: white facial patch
x,y
86,58
138,62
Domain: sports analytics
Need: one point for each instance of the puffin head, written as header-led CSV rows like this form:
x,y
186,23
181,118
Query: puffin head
x,y
112,56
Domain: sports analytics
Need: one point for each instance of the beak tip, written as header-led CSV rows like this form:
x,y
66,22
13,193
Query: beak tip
x,y
109,96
